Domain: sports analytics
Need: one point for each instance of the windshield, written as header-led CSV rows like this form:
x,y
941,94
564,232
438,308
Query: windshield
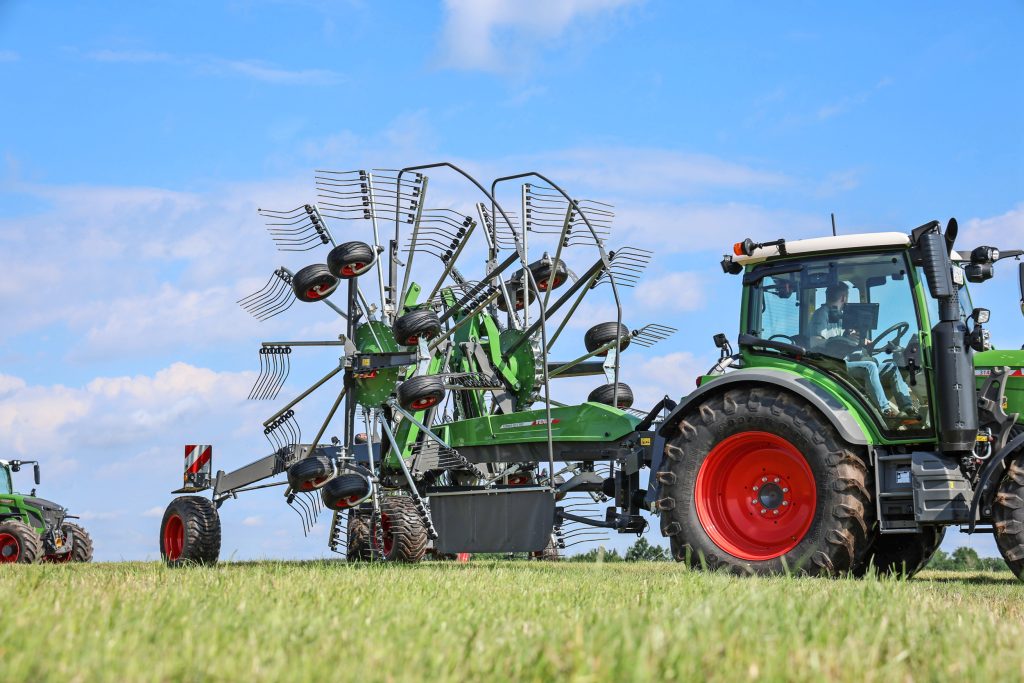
x,y
854,318
5,481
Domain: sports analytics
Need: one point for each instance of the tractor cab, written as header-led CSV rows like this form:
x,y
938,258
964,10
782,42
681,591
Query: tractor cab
x,y
6,487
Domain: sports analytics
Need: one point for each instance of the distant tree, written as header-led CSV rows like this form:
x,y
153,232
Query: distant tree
x,y
965,560
642,551
598,554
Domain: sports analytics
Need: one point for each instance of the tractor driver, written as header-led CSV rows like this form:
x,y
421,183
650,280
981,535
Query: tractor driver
x,y
827,323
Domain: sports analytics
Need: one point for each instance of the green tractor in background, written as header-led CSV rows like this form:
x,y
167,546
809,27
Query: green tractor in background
x,y
33,529
863,414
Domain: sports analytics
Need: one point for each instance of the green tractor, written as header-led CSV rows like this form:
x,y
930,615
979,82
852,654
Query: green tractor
x,y
33,529
863,414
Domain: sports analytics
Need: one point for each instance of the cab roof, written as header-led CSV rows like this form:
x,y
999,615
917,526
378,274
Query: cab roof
x,y
867,240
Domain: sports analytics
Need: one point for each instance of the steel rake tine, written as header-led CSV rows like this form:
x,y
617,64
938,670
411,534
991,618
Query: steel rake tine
x,y
258,385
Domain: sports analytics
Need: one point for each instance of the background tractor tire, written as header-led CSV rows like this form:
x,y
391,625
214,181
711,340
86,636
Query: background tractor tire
x,y
416,325
763,484
602,333
190,532
549,554
606,394
19,543
421,392
1008,516
81,543
350,260
902,555
359,547
311,473
402,530
345,491
313,283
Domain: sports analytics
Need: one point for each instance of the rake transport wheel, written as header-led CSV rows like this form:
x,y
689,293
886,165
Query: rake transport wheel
x,y
345,491
310,473
19,543
313,283
421,392
549,554
902,555
358,548
414,325
602,333
606,394
403,533
350,260
1008,516
190,532
81,545
763,484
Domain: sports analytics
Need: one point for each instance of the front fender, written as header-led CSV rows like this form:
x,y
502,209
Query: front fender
x,y
838,414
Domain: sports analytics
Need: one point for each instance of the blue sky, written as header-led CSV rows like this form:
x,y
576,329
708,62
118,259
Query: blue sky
x,y
139,138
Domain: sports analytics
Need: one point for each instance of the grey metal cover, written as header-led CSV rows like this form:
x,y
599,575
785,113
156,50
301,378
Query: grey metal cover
x,y
496,521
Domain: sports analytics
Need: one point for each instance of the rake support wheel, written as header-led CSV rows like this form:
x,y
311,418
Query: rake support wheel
x,y
190,532
402,530
416,325
19,543
345,491
603,333
606,394
350,260
765,485
421,392
310,473
313,283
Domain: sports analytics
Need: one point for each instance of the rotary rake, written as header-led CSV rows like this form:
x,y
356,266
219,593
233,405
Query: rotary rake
x,y
451,436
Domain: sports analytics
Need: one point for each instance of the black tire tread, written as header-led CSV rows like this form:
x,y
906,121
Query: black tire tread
x,y
81,542
30,543
349,253
202,531
343,486
1008,516
606,394
308,276
359,547
408,532
418,387
421,323
309,469
602,333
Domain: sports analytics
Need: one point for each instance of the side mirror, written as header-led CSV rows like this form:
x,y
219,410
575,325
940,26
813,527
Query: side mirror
x,y
980,315
35,470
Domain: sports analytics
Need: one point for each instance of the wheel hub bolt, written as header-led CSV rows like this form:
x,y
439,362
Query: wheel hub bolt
x,y
776,480
764,478
754,488
763,511
785,502
785,490
775,512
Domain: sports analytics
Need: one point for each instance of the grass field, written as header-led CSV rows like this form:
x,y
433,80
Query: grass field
x,y
499,621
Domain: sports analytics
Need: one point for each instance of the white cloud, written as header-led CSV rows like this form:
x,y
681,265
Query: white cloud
x,y
253,521
154,512
7,56
672,293
489,34
1005,230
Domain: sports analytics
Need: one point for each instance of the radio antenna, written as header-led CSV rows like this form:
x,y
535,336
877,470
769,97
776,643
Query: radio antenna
x,y
833,225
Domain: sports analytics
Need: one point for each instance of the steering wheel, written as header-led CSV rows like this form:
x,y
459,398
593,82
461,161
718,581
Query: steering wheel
x,y
900,328
791,340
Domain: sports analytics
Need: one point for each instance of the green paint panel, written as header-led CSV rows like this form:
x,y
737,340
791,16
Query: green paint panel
x,y
1014,383
374,337
583,423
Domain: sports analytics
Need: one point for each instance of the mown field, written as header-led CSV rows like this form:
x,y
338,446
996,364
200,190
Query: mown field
x,y
493,621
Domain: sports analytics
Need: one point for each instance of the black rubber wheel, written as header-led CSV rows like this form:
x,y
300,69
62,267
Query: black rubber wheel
x,y
345,491
762,483
1008,515
541,271
310,473
19,543
606,394
313,283
350,260
402,530
414,325
602,333
549,554
515,292
190,532
358,547
902,555
421,392
81,543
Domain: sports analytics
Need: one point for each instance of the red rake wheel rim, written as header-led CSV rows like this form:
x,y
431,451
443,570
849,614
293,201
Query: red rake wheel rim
x,y
314,292
756,496
174,538
424,403
352,270
10,549
386,536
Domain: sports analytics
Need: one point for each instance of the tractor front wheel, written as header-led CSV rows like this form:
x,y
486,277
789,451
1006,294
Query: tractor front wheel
x,y
81,545
761,483
403,534
19,543
190,532
1008,516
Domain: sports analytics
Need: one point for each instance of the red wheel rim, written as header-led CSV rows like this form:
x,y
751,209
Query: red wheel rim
x,y
387,538
313,483
412,341
10,549
424,403
59,559
755,495
352,270
174,538
313,292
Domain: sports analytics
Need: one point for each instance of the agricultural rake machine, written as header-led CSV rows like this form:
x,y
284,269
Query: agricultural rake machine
x,y
449,436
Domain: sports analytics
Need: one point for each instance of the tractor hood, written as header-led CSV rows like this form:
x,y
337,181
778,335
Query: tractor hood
x,y
43,504
986,360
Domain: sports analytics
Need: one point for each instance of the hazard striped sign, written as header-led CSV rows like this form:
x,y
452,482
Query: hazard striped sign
x,y
197,458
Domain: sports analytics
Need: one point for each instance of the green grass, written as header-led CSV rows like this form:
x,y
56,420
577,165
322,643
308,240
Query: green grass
x,y
493,621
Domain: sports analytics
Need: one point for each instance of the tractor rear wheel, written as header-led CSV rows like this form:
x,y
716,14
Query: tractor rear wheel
x,y
190,532
358,547
763,484
1008,516
19,543
902,555
403,534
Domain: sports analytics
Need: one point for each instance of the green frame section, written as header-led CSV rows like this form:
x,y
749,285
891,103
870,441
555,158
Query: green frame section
x,y
584,423
1014,359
